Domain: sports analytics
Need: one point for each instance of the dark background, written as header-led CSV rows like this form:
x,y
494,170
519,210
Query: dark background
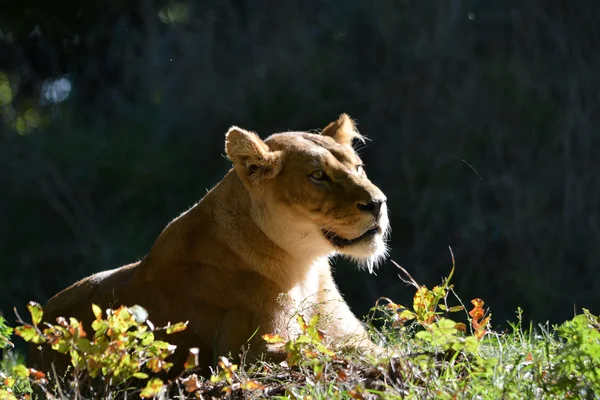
x,y
483,115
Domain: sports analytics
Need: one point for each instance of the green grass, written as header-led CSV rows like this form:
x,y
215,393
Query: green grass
x,y
427,355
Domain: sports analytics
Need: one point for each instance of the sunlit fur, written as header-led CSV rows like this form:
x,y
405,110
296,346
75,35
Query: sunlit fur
x,y
369,256
332,207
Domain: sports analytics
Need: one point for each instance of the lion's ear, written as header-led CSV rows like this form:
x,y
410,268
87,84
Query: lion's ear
x,y
343,130
251,157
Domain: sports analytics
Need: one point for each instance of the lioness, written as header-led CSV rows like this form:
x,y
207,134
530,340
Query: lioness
x,y
253,250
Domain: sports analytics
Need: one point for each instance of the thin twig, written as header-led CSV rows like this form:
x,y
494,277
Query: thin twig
x,y
60,392
412,280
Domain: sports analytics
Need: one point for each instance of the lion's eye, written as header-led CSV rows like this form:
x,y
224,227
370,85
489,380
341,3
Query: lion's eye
x,y
318,175
360,168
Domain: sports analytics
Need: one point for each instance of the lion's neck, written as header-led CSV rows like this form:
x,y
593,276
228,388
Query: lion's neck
x,y
221,232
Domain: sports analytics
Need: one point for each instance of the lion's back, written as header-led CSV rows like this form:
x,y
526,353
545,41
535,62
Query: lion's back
x,y
75,301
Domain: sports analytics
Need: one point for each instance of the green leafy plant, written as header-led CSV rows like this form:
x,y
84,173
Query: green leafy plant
x,y
308,349
578,364
5,332
228,372
13,378
122,347
430,311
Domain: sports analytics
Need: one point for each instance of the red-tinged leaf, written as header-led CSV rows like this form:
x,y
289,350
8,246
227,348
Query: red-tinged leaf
x,y
293,359
80,331
227,367
480,328
479,320
118,313
191,383
477,303
342,376
273,338
318,371
310,354
178,327
480,333
302,323
154,365
483,324
429,318
406,315
53,334
486,320
461,327
192,359
320,335
476,313
438,291
29,334
35,309
152,389
9,382
252,385
61,345
529,357
158,366
73,326
356,395
422,300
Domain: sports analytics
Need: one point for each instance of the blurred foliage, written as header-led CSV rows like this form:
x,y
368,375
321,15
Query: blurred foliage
x,y
484,118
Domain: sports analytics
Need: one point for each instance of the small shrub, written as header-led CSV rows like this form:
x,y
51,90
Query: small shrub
x,y
577,367
122,347
13,377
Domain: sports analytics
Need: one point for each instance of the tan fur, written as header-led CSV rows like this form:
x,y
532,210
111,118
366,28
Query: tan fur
x,y
253,251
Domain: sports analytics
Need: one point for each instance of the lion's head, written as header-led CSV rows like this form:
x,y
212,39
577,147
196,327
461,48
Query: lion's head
x,y
310,193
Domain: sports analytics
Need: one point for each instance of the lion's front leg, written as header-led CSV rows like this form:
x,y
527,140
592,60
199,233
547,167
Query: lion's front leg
x,y
241,335
339,322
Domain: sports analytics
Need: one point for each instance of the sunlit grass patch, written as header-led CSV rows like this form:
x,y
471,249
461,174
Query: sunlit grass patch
x,y
435,348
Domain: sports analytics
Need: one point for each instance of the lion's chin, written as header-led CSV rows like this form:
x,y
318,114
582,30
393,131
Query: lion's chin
x,y
368,250
340,243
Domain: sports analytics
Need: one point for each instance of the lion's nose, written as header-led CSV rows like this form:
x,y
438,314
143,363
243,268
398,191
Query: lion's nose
x,y
373,206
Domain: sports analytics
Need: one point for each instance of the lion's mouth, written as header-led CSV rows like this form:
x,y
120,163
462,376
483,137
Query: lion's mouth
x,y
339,241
